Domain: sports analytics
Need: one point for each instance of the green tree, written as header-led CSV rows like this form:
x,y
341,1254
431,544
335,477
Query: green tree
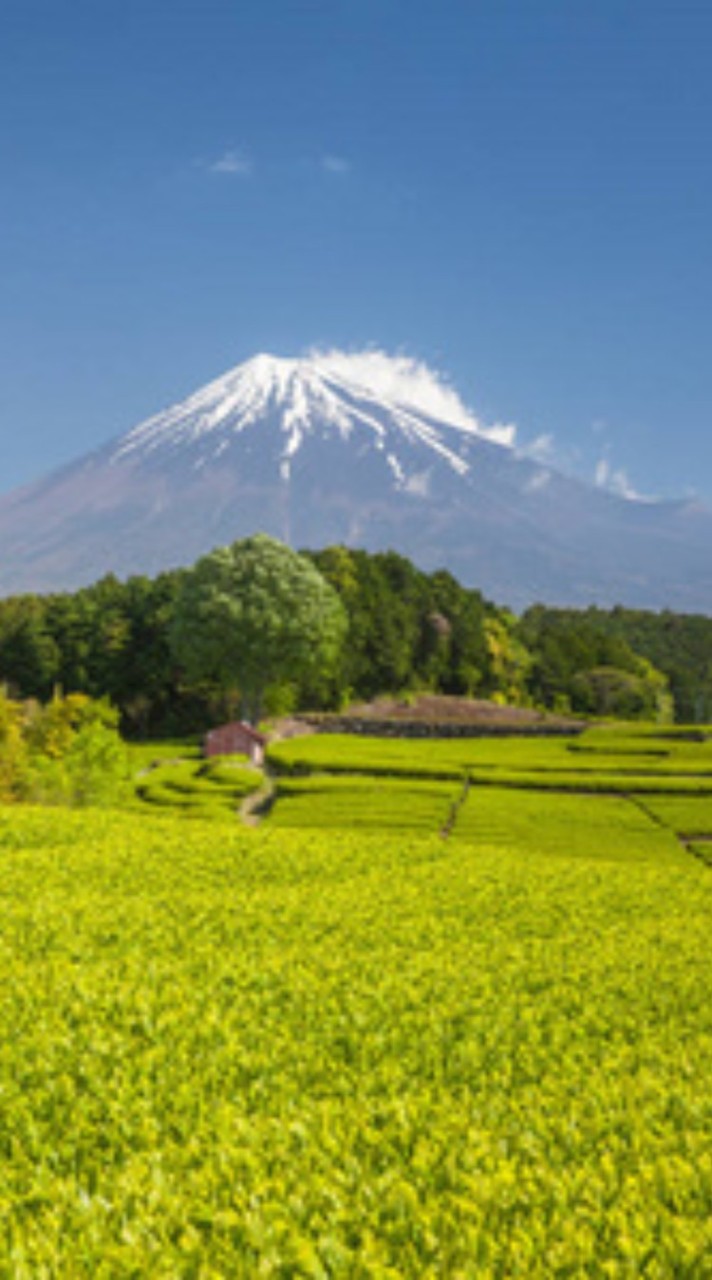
x,y
29,656
13,749
66,752
632,695
609,662
252,615
509,659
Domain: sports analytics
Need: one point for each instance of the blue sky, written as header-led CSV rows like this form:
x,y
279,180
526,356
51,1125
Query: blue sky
x,y
518,192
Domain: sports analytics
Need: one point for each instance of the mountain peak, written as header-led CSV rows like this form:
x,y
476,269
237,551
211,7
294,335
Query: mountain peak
x,y
362,448
334,388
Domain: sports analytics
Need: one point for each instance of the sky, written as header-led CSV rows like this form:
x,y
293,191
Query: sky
x,y
517,192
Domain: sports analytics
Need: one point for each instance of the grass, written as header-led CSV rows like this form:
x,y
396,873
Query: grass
x,y
294,1054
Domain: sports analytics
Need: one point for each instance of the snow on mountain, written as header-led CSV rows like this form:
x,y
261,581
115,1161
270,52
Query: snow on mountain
x,y
322,392
363,449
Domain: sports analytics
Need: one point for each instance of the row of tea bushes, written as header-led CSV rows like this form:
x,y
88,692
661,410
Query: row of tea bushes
x,y
270,1053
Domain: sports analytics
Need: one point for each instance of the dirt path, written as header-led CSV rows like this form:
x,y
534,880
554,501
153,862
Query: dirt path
x,y
257,803
446,829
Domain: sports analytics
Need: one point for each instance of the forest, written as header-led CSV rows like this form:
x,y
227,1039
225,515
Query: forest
x,y
407,631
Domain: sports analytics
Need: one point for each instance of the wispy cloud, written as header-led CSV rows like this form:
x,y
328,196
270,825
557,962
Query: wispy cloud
x,y
548,453
615,480
607,476
238,163
409,383
504,433
335,164
234,161
540,449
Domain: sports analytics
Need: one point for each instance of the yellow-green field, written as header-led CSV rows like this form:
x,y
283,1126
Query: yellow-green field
x,y
626,752
266,1053
610,792
184,781
360,802
345,1044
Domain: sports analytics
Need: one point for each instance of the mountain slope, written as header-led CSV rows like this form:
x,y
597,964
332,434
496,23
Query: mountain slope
x,y
365,450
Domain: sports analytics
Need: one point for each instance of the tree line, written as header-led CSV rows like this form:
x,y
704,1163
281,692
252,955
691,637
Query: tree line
x,y
406,630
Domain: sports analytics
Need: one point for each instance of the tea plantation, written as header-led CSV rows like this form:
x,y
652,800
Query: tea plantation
x,y
450,1025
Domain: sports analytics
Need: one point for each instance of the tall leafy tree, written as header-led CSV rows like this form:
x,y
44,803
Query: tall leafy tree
x,y
29,656
252,615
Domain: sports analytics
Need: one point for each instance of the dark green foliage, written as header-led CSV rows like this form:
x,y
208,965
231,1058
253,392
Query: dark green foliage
x,y
407,630
253,615
30,656
678,645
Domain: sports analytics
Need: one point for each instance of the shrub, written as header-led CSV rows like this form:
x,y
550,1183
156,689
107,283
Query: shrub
x,y
66,752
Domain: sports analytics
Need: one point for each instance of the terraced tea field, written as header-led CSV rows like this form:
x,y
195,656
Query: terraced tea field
x,y
615,790
602,827
180,780
444,1013
280,1053
597,751
384,804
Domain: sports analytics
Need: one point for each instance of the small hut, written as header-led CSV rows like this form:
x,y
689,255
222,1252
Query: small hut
x,y
236,738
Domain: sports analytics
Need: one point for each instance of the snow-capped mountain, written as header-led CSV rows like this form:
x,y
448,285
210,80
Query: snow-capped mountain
x,y
363,449
371,401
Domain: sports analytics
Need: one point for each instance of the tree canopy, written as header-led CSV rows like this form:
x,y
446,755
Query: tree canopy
x,y
255,614
408,630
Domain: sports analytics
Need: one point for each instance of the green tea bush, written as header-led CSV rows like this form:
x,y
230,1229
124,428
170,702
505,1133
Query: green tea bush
x,y
293,1054
453,757
545,822
688,815
590,781
357,802
218,784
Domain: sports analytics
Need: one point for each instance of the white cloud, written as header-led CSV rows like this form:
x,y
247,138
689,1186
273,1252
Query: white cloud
x,y
234,161
540,449
501,432
548,452
411,384
602,472
545,451
605,475
335,164
237,162
615,480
